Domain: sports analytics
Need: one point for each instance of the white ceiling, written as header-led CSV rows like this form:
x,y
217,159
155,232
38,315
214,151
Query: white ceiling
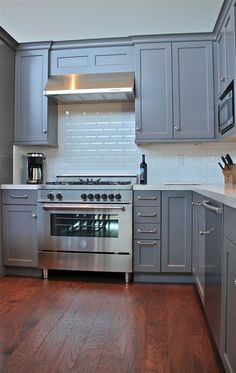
x,y
41,20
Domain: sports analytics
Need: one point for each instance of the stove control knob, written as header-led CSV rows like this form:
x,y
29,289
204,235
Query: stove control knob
x,y
83,196
118,196
97,196
59,196
104,196
111,196
90,196
50,196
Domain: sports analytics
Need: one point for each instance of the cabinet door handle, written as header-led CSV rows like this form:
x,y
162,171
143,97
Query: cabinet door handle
x,y
176,128
147,198
222,79
138,129
197,203
217,210
34,216
147,215
151,231
24,196
205,233
148,244
45,131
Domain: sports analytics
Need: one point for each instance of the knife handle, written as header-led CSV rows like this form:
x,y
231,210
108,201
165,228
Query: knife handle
x,y
229,159
226,164
221,166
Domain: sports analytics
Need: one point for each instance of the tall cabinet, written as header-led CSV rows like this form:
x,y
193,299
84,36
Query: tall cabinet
x,y
7,69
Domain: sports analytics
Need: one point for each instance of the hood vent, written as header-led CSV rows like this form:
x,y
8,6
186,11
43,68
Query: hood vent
x,y
91,87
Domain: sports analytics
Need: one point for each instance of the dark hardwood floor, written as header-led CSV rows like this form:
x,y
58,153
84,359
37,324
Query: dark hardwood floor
x,y
76,326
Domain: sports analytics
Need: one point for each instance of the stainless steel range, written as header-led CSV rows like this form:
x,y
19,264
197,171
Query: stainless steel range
x,y
85,223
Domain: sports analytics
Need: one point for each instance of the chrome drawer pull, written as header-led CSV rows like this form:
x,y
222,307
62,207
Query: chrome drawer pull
x,y
147,215
217,210
152,231
204,233
147,198
147,243
197,203
14,196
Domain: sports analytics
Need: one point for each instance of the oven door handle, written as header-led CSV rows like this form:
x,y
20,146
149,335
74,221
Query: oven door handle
x,y
68,206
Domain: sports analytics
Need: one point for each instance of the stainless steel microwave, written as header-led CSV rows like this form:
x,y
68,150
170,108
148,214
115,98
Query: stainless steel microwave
x,y
226,109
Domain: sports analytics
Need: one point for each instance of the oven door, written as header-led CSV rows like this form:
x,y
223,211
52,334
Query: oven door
x,y
85,228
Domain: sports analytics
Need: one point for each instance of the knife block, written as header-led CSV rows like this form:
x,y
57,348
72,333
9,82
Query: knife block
x,y
230,175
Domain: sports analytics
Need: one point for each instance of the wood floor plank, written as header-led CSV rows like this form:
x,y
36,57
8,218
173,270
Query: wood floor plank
x,y
63,326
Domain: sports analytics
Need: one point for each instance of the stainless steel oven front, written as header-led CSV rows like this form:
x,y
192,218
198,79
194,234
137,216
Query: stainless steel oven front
x,y
89,237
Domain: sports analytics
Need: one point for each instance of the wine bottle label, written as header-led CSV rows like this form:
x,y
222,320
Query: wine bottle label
x,y
141,173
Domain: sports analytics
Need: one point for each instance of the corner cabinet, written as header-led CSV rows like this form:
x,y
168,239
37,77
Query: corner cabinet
x,y
176,231
19,228
184,71
35,115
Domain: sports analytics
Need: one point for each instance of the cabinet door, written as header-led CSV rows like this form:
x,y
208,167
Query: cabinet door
x,y
19,235
147,256
31,106
91,60
198,254
229,306
193,90
153,90
226,52
176,231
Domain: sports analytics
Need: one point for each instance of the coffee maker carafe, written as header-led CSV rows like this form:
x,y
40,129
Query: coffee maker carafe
x,y
35,168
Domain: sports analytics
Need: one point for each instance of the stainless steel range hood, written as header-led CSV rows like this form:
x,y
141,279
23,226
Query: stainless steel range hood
x,y
91,87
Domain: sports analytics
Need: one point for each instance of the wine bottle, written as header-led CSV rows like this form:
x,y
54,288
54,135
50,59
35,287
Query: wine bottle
x,y
143,171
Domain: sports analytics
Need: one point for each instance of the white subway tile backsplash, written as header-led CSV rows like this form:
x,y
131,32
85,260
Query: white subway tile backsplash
x,y
98,138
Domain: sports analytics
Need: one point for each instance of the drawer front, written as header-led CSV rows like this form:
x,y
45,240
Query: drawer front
x,y
147,214
147,256
19,197
147,231
147,198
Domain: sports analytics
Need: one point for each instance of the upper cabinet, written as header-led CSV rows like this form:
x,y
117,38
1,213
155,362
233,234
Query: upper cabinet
x,y
35,115
91,60
226,53
174,92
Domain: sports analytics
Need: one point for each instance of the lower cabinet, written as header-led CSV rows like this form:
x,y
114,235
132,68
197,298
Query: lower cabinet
x,y
198,245
19,230
176,231
229,300
147,217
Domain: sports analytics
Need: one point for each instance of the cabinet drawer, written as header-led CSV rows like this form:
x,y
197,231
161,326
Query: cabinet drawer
x,y
147,214
19,197
147,198
229,223
147,256
147,231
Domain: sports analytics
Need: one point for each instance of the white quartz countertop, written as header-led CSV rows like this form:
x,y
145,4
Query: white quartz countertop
x,y
222,193
20,186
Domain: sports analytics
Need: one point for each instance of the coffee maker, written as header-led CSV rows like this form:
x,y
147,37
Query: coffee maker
x,y
35,168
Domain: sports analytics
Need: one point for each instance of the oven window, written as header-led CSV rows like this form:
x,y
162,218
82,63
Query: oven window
x,y
84,225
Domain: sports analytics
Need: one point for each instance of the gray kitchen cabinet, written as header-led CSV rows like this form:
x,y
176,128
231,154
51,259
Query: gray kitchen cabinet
x,y
176,231
226,52
19,228
91,60
147,210
228,352
35,115
193,100
198,244
184,71
153,92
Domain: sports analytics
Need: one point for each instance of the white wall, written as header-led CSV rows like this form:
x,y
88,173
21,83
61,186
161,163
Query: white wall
x,y
99,138
37,20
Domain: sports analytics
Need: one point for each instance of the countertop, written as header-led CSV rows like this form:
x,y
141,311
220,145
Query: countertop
x,y
222,193
20,186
